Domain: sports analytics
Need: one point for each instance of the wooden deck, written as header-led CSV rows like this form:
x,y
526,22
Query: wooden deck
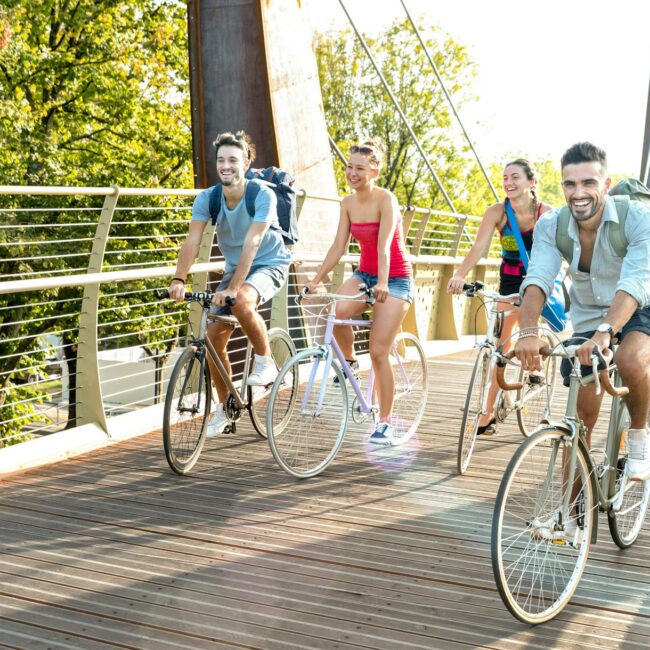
x,y
387,549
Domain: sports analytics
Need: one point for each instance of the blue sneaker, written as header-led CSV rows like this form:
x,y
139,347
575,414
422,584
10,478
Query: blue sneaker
x,y
354,366
383,434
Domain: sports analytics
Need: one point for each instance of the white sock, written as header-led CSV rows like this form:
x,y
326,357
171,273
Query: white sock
x,y
637,434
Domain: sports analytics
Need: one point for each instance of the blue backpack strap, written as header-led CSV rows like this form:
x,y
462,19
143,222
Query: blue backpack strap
x,y
252,190
215,202
514,226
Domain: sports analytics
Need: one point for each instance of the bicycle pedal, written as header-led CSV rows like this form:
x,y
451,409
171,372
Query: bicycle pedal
x,y
229,429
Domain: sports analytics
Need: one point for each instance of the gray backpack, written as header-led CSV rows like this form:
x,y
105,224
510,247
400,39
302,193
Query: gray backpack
x,y
629,189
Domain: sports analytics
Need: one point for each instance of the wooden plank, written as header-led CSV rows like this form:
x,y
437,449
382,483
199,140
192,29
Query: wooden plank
x,y
114,550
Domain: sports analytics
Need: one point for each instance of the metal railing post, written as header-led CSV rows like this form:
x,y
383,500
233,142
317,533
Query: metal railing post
x,y
90,405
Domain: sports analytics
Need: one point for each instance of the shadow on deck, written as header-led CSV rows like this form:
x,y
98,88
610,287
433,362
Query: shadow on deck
x,y
386,549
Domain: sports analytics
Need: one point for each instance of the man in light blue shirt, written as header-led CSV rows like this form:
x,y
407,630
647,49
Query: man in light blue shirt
x,y
609,294
257,262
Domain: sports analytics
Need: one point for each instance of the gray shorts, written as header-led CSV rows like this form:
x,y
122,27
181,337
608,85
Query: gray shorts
x,y
266,280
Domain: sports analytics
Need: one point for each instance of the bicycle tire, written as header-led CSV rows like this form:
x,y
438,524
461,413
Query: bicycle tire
x,y
536,567
282,349
186,411
472,409
625,523
409,365
535,400
303,442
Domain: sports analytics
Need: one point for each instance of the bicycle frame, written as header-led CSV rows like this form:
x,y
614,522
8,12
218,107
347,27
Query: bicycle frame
x,y
204,343
604,484
328,346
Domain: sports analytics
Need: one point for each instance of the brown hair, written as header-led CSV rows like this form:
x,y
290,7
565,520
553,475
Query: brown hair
x,y
373,148
584,152
241,140
529,170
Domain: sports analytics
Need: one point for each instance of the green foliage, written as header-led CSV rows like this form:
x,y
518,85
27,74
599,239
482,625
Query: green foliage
x,y
92,94
357,106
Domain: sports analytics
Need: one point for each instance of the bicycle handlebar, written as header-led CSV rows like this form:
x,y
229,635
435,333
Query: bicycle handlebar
x,y
204,297
471,291
600,364
366,293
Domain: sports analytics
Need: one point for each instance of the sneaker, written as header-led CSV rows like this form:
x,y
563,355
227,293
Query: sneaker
x,y
354,366
217,424
383,434
263,374
638,460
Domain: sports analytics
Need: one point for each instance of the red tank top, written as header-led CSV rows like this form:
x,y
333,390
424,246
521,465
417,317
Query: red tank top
x,y
367,234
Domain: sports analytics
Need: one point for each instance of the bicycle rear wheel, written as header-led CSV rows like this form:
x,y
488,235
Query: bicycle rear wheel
x,y
282,349
187,406
534,399
306,424
473,409
409,365
538,555
626,521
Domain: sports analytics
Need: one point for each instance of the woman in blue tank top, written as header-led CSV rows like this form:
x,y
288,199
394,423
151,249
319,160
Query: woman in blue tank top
x,y
519,183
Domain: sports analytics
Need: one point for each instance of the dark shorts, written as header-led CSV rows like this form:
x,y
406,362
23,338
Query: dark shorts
x,y
639,322
402,288
266,280
509,283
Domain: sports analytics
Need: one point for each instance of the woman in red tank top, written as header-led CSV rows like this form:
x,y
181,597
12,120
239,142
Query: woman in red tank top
x,y
372,216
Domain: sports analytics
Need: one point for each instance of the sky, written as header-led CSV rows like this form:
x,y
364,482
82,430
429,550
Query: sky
x,y
550,73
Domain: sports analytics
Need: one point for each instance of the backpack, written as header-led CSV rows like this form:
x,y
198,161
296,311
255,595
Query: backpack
x,y
281,183
629,189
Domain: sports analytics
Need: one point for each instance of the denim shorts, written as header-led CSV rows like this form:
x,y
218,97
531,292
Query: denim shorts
x,y
639,322
266,280
402,288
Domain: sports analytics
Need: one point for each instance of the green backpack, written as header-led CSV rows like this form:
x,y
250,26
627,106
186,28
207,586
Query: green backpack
x,y
629,189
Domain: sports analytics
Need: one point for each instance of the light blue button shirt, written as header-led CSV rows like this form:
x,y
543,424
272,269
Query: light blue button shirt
x,y
592,293
233,225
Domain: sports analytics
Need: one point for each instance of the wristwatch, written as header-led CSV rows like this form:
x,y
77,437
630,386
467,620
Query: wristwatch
x,y
606,327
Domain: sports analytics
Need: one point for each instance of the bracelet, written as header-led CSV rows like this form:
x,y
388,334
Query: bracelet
x,y
178,280
526,335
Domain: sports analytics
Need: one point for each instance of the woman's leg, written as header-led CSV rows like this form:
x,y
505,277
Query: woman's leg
x,y
343,333
386,321
511,316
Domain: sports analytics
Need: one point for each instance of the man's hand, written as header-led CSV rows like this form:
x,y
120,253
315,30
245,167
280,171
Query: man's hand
x,y
601,339
527,351
177,290
219,297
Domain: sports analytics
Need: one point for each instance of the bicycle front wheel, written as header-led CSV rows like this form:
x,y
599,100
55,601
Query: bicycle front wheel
x,y
473,409
626,517
306,424
534,399
409,365
187,406
539,552
282,349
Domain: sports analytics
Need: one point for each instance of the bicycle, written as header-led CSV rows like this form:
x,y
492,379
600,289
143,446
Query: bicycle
x,y
532,402
189,392
543,522
318,412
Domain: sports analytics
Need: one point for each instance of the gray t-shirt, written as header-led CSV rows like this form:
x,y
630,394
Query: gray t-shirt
x,y
232,228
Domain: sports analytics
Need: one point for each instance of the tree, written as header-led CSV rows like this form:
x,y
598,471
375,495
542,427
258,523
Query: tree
x,y
357,106
93,93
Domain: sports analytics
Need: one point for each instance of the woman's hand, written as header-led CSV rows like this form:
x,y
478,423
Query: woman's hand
x,y
380,291
456,284
310,287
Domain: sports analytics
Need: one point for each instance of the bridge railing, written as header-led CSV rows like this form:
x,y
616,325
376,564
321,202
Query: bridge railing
x,y
84,342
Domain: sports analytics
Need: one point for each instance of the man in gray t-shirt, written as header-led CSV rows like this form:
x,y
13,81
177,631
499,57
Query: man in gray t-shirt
x,y
257,262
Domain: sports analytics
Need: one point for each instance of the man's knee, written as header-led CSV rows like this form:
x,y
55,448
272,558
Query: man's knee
x,y
245,301
633,357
